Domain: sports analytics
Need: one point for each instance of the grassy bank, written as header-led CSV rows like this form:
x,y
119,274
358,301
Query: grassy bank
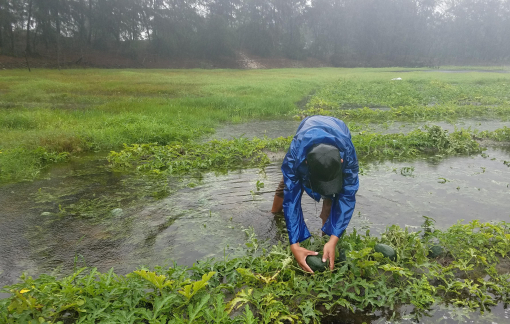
x,y
267,286
47,115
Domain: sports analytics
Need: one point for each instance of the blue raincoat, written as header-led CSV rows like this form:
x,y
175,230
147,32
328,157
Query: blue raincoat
x,y
318,130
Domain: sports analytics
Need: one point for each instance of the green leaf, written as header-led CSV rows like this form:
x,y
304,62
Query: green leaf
x,y
241,298
248,316
190,290
194,310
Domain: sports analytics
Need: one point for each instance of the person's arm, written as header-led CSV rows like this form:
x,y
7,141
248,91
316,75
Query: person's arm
x,y
329,251
294,219
342,208
292,211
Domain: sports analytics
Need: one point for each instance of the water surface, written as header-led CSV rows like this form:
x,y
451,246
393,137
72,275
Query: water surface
x,y
115,225
277,128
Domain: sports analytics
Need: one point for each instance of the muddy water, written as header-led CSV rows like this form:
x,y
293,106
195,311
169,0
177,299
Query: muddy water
x,y
277,128
406,127
269,128
205,217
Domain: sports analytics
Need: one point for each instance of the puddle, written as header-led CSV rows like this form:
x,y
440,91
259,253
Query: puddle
x,y
269,128
439,314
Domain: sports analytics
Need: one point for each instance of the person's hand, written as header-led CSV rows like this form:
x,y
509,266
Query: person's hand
x,y
329,251
300,253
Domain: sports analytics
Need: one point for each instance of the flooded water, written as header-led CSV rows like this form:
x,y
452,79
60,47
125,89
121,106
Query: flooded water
x,y
406,127
277,128
42,227
83,214
269,128
439,314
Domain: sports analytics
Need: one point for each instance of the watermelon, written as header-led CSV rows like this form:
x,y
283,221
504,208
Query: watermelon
x,y
435,251
341,256
315,263
386,250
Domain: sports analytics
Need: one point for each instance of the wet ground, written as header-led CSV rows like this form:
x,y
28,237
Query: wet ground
x,y
406,127
84,214
269,128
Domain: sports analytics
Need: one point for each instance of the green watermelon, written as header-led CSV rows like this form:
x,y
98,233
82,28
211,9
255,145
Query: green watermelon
x,y
386,250
435,251
315,263
341,256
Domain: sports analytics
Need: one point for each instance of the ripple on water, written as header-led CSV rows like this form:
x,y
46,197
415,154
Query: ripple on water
x,y
207,220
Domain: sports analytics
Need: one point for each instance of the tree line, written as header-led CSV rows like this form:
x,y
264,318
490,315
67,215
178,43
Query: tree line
x,y
343,32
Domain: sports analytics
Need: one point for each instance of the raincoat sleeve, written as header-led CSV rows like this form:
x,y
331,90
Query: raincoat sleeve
x,y
292,193
343,204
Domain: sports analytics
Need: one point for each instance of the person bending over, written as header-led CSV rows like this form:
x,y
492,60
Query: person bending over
x,y
321,161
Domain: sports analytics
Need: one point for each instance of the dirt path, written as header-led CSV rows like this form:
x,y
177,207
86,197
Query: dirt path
x,y
247,63
110,60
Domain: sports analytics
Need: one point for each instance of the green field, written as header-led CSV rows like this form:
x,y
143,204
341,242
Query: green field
x,y
47,114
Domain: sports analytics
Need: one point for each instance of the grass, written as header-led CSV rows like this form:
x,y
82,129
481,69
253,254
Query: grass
x,y
449,112
48,114
415,98
267,286
98,110
413,92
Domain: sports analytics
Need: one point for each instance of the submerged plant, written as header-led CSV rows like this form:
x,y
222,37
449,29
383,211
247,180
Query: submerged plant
x,y
216,155
225,155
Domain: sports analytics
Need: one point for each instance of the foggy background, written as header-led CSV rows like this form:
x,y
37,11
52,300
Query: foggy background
x,y
337,32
